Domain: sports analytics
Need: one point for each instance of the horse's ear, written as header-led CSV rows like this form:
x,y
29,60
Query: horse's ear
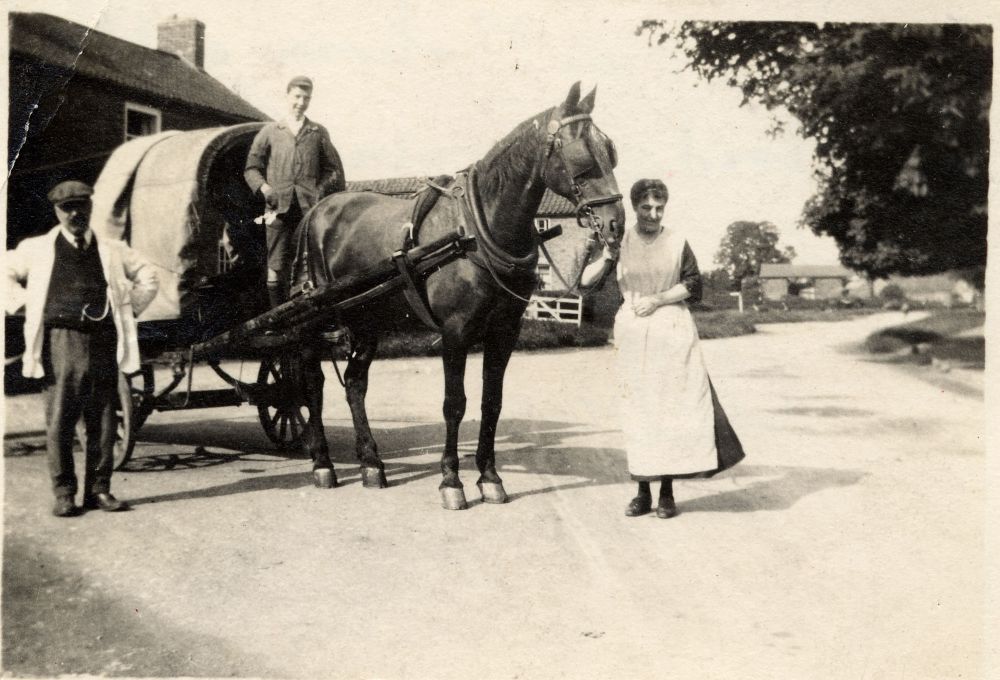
x,y
573,98
587,103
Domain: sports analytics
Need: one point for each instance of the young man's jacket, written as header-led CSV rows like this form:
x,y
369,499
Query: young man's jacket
x,y
132,285
305,166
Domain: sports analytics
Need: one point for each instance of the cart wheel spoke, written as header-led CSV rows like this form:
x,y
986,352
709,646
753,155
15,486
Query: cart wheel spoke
x,y
280,415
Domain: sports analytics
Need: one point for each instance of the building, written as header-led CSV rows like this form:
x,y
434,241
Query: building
x,y
819,282
77,93
550,299
934,289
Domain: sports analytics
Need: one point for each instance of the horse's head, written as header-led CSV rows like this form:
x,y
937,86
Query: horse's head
x,y
579,166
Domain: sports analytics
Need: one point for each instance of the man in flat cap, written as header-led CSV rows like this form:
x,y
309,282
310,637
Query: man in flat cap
x,y
81,295
293,164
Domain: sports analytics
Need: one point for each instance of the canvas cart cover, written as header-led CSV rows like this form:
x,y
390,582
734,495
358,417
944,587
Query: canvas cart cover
x,y
175,197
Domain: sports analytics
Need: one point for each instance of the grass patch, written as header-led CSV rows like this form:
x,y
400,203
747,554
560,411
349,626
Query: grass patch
x,y
935,338
534,335
801,315
723,324
538,335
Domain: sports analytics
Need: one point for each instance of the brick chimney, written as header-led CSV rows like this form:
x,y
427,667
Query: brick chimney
x,y
185,37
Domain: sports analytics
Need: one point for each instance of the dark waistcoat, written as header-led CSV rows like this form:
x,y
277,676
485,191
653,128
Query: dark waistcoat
x,y
77,284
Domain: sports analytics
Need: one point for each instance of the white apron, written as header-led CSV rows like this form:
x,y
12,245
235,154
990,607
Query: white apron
x,y
667,413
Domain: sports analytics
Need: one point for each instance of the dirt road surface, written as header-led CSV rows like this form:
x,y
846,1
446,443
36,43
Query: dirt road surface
x,y
849,544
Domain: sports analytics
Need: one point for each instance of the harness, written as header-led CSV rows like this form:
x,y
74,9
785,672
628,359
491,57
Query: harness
x,y
575,159
427,198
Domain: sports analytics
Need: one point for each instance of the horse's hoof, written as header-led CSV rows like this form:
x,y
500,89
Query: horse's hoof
x,y
453,499
492,492
373,478
324,478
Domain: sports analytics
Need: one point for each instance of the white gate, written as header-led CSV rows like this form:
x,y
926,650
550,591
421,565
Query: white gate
x,y
566,309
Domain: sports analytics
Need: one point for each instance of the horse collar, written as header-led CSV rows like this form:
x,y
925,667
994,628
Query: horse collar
x,y
489,251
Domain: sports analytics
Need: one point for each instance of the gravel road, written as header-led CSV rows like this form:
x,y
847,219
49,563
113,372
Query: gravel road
x,y
849,544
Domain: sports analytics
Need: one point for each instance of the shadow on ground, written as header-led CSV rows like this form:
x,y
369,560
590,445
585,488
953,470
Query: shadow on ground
x,y
782,487
57,622
411,454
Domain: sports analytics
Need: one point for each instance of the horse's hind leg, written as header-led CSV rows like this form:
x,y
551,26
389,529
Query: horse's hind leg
x,y
314,437
498,346
452,493
356,387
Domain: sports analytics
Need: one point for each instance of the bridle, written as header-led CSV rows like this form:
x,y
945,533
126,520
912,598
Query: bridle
x,y
574,166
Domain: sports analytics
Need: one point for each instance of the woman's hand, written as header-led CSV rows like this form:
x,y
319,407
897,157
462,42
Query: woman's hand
x,y
645,306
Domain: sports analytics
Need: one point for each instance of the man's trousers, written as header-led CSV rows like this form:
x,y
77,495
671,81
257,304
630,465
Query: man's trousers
x,y
83,377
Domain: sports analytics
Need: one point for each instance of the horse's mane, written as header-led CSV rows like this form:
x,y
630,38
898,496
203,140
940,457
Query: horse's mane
x,y
513,156
516,154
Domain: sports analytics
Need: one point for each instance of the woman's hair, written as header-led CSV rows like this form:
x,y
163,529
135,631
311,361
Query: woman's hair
x,y
649,187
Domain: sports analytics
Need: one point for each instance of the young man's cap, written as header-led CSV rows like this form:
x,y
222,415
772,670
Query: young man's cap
x,y
69,191
300,81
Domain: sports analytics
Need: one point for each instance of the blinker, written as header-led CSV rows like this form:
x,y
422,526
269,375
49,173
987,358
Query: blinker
x,y
577,157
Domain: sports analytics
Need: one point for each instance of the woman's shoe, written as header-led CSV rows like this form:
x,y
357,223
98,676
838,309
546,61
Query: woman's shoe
x,y
666,508
640,505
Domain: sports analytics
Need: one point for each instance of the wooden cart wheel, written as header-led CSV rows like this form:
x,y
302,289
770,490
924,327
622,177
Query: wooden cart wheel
x,y
281,414
141,387
127,407
128,422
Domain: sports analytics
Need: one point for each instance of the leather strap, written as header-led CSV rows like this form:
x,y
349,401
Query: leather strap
x,y
415,294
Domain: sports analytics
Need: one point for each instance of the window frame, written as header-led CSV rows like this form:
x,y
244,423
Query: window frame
x,y
156,114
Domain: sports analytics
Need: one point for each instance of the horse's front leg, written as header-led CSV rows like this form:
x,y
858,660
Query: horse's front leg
x,y
452,493
314,436
356,387
498,346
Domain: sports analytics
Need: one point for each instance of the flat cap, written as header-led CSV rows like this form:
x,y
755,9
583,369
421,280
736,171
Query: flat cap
x,y
300,81
69,191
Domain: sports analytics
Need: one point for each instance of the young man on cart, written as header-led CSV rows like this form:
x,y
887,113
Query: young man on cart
x,y
292,163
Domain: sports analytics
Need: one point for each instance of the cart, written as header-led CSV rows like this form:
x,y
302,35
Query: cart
x,y
180,200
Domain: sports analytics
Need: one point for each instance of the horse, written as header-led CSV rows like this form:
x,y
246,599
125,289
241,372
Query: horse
x,y
478,298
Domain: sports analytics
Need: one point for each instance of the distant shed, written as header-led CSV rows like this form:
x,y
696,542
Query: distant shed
x,y
827,281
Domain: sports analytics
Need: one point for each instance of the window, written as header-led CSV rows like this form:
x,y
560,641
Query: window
x,y
541,224
140,121
544,272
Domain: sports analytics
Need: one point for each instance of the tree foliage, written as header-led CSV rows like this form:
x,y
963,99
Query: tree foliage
x,y
748,245
900,116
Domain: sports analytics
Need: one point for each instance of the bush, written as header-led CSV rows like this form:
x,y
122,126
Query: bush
x,y
893,293
940,332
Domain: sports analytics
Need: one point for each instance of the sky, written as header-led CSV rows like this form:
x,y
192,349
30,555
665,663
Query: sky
x,y
426,87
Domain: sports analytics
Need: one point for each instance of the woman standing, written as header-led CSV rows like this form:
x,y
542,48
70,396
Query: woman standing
x,y
673,423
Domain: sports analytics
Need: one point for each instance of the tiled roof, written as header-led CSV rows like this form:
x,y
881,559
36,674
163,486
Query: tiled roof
x,y
395,186
804,271
552,204
87,52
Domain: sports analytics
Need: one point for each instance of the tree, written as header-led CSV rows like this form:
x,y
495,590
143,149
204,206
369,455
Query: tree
x,y
900,116
748,245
